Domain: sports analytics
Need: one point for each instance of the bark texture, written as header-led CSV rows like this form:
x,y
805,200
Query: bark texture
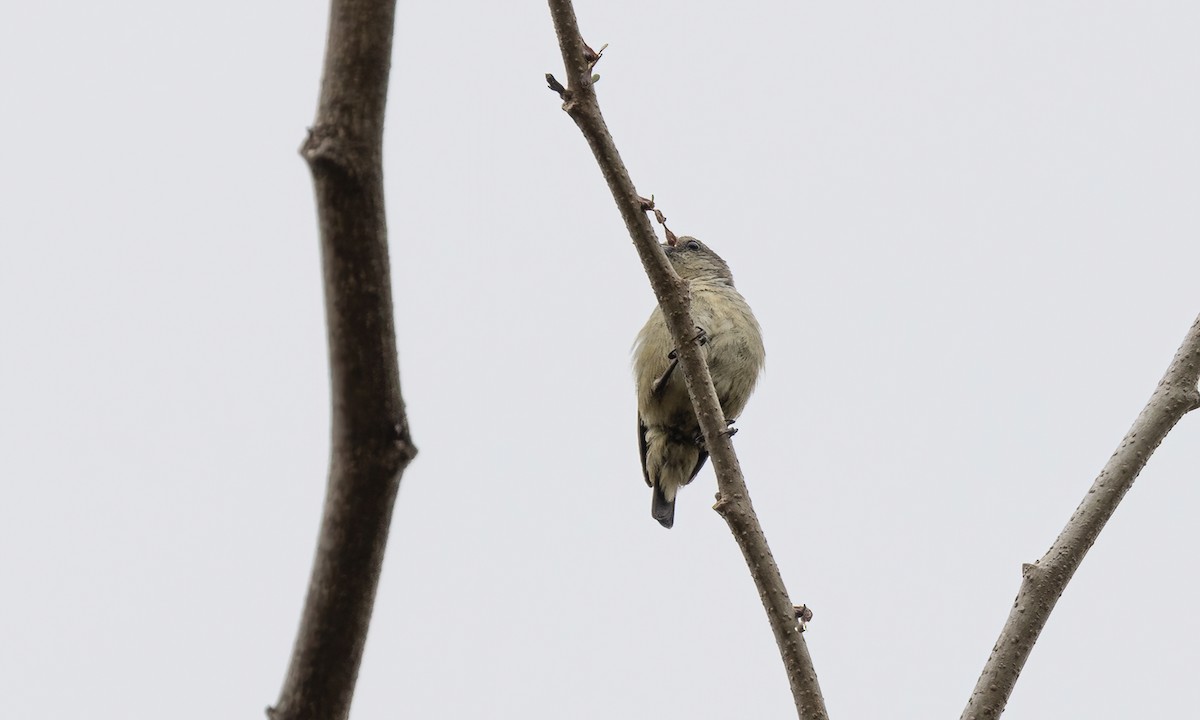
x,y
371,444
1043,582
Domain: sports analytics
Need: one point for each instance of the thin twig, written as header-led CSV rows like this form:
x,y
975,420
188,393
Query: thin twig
x,y
1044,581
371,444
579,101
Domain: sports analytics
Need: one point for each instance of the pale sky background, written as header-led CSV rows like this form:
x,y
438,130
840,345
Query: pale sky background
x,y
969,231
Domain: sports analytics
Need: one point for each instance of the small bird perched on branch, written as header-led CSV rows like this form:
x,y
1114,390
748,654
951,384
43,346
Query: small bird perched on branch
x,y
669,438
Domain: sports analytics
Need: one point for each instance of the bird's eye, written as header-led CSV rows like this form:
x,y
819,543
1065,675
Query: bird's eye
x,y
693,245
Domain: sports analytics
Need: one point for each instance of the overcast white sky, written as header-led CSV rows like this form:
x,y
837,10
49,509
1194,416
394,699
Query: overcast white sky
x,y
969,231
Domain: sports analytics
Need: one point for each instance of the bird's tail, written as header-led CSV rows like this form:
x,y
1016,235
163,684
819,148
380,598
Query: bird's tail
x,y
662,509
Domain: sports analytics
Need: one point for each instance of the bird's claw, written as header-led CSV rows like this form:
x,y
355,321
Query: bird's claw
x,y
730,431
701,338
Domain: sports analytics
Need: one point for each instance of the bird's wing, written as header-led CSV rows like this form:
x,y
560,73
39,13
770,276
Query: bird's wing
x,y
642,447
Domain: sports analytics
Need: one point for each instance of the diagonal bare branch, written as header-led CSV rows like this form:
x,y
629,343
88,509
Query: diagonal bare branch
x,y
1044,581
579,101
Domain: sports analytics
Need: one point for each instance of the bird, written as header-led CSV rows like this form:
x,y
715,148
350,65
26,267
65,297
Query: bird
x,y
670,443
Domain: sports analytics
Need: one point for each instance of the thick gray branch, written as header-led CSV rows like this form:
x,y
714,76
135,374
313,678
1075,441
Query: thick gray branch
x,y
579,101
371,445
1044,581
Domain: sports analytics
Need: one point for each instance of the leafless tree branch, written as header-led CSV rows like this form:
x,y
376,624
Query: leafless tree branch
x,y
371,444
1044,581
579,101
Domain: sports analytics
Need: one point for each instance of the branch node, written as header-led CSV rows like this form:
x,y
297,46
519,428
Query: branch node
x,y
648,206
556,86
591,56
1192,399
803,615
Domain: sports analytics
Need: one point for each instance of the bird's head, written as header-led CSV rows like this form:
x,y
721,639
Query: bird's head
x,y
693,260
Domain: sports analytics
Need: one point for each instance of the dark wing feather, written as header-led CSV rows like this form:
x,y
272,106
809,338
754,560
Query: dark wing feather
x,y
642,448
